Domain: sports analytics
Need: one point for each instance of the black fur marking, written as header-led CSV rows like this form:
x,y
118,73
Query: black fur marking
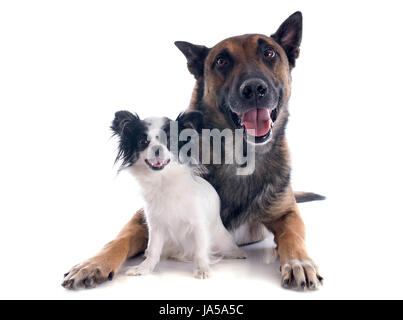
x,y
131,131
195,56
190,120
289,36
231,117
308,196
111,275
199,94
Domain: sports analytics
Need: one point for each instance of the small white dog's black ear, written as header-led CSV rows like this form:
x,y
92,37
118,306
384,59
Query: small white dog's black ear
x,y
123,120
127,126
191,120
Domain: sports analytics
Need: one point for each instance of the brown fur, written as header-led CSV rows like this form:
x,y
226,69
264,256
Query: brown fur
x,y
282,216
243,47
131,240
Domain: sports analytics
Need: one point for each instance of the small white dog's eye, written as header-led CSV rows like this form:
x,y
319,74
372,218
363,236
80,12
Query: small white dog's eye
x,y
143,142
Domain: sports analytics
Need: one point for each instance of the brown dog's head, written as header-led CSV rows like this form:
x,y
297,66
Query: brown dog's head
x,y
245,81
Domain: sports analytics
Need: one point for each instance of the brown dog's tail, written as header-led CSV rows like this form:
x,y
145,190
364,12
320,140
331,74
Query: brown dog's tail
x,y
307,196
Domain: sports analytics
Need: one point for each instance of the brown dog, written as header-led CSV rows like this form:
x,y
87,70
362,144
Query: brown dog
x,y
242,82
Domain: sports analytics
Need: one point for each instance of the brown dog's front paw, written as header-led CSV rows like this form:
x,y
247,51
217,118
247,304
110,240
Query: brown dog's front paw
x,y
88,275
300,274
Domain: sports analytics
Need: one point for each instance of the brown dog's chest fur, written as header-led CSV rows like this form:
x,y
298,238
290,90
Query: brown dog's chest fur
x,y
265,193
245,198
248,197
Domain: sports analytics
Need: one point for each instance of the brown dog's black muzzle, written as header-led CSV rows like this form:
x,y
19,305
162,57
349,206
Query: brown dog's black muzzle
x,y
253,104
253,90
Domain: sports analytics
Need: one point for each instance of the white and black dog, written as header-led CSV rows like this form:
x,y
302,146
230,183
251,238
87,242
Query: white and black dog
x,y
182,209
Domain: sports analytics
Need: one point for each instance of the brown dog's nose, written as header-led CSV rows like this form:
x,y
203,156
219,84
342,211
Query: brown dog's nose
x,y
253,89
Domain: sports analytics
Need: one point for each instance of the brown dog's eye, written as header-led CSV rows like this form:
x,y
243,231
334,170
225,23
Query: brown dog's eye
x,y
220,61
269,53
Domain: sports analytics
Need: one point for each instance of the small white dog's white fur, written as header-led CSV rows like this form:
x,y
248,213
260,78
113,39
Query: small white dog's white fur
x,y
182,213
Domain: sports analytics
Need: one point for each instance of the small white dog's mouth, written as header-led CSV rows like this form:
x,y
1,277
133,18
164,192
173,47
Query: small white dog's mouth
x,y
157,164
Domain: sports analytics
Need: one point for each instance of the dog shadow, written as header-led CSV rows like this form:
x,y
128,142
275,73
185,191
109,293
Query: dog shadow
x,y
261,264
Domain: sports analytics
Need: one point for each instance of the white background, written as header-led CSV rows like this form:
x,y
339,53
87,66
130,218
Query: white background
x,y
67,66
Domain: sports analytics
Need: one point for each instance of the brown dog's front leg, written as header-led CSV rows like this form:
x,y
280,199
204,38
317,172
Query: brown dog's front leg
x,y
297,268
131,241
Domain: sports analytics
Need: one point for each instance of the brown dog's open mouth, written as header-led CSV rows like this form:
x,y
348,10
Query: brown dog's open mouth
x,y
257,123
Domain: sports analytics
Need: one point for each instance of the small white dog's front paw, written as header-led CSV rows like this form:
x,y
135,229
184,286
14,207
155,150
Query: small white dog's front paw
x,y
201,273
138,271
235,254
240,254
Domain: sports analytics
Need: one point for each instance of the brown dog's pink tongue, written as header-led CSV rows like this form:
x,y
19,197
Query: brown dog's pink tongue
x,y
257,122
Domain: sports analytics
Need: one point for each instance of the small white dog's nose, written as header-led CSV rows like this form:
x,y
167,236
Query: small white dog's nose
x,y
157,151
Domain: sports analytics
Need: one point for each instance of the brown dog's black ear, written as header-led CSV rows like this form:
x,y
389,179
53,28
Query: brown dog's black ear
x,y
195,56
289,36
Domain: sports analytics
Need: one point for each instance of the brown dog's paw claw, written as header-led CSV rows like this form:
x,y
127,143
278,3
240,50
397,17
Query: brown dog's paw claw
x,y
286,283
300,275
87,275
89,282
68,284
111,275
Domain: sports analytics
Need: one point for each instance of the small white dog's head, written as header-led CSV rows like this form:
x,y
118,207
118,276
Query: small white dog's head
x,y
145,144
